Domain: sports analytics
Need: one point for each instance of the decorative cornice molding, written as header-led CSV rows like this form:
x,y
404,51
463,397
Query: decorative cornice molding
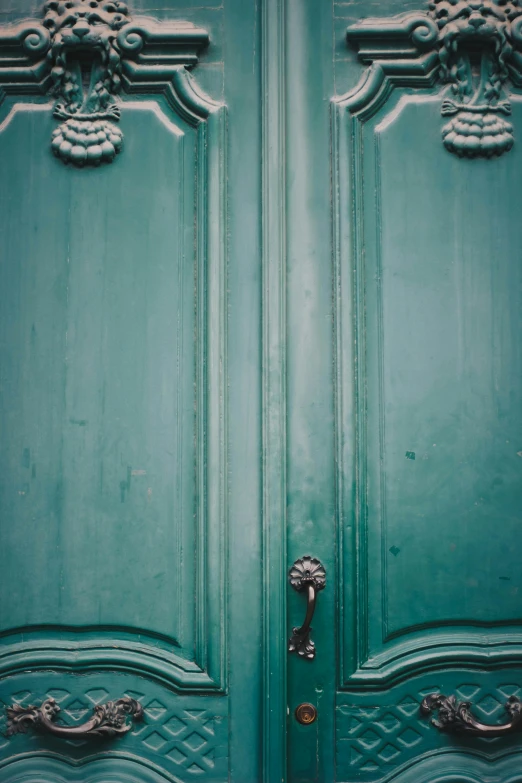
x,y
405,36
139,54
474,47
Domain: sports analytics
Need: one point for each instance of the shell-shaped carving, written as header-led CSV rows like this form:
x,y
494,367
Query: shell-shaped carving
x,y
472,135
307,570
87,143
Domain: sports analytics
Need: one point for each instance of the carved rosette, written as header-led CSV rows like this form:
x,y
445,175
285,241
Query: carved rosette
x,y
82,53
307,570
474,46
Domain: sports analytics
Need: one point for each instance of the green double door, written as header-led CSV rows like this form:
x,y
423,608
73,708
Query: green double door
x,y
260,314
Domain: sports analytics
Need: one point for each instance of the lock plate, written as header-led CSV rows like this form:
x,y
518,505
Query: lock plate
x,y
306,713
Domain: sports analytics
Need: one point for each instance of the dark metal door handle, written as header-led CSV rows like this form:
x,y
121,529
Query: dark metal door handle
x,y
108,719
456,716
308,574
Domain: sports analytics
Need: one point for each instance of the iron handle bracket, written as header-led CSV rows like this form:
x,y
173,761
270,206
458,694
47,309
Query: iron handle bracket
x,y
108,719
306,575
456,716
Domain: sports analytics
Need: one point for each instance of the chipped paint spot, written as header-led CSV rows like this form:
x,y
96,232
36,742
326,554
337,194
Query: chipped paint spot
x,y
138,472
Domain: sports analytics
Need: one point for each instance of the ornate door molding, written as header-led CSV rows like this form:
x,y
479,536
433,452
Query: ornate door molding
x,y
474,48
83,53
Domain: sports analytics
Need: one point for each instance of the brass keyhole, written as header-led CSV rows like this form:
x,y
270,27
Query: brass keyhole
x,y
306,713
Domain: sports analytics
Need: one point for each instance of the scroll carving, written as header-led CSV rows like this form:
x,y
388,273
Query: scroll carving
x,y
477,48
81,52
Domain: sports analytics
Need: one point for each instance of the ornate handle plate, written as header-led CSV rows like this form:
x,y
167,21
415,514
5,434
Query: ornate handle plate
x,y
108,719
308,574
455,716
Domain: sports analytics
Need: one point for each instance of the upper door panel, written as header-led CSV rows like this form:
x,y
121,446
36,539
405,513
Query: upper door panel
x,y
436,298
111,346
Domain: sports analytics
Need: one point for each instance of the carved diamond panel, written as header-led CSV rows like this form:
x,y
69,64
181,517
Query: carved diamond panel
x,y
185,735
377,732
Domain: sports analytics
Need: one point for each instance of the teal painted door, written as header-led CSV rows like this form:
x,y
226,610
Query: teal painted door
x,y
404,385
127,273
260,296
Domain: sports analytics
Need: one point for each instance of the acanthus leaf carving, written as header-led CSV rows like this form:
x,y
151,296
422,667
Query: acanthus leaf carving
x,y
78,54
477,46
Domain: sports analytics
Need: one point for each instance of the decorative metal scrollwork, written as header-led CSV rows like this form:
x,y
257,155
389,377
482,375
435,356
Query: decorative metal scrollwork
x,y
455,716
108,719
308,574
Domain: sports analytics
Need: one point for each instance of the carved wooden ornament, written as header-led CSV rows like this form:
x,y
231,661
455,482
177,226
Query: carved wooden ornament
x,y
474,46
82,53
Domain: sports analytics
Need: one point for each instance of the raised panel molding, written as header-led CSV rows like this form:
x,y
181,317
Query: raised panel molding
x,y
404,54
424,47
155,58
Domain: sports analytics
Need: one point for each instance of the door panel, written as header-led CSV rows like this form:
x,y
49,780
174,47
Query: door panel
x,y
118,461
116,399
413,418
129,396
437,406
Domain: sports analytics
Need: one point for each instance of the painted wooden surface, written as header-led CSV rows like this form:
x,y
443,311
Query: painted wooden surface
x,y
282,321
403,403
120,337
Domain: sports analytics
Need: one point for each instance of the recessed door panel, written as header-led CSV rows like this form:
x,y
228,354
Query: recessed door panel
x,y
100,418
